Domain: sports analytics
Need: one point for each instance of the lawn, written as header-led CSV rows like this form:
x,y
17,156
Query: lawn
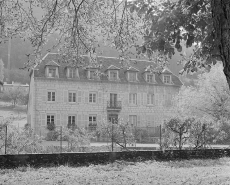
x,y
151,172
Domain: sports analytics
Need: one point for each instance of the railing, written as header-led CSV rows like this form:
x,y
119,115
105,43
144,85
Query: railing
x,y
114,104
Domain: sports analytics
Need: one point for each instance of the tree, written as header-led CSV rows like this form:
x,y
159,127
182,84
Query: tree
x,y
1,70
15,94
180,129
76,138
164,26
118,132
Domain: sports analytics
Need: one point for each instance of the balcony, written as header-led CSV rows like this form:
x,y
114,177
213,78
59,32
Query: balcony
x,y
114,105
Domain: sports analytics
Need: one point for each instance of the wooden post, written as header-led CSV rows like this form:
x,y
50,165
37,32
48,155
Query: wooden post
x,y
61,140
6,140
160,138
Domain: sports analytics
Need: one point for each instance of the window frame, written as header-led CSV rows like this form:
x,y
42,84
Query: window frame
x,y
92,124
70,100
94,75
150,96
153,78
52,93
164,77
70,121
132,98
92,99
110,76
129,76
50,119
72,72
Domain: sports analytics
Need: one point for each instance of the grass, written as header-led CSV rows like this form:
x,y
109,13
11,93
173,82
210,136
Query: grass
x,y
150,172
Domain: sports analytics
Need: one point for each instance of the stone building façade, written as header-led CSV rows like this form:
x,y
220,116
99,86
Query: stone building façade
x,y
70,95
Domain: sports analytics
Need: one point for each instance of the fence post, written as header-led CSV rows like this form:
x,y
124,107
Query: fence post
x,y
61,140
204,127
112,137
6,140
160,138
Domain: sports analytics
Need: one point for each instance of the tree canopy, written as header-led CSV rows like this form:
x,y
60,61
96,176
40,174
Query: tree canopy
x,y
152,28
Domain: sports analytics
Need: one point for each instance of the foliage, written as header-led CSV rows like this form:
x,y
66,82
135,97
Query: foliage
x,y
51,126
119,132
76,138
17,75
52,135
177,132
14,94
1,70
20,140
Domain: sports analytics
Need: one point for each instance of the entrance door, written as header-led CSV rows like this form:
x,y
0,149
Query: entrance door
x,y
113,118
113,100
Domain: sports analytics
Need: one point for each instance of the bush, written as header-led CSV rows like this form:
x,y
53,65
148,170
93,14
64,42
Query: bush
x,y
52,136
51,126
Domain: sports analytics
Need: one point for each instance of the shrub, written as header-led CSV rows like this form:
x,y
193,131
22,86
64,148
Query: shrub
x,y
52,135
51,126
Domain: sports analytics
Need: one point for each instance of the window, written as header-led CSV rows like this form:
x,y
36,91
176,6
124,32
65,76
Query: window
x,y
150,99
92,75
133,120
133,98
92,122
92,97
51,72
72,73
132,76
51,96
71,121
72,97
113,75
150,78
166,79
50,119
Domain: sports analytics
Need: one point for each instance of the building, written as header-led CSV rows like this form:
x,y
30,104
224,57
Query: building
x,y
15,85
69,95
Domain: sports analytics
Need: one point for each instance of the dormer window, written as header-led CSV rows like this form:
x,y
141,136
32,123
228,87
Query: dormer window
x,y
72,72
113,75
92,75
113,72
52,69
132,76
150,78
167,79
51,72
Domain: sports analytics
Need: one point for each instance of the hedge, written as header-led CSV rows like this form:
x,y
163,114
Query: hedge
x,y
84,159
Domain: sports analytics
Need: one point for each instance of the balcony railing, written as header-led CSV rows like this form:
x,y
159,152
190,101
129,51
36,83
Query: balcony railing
x,y
114,105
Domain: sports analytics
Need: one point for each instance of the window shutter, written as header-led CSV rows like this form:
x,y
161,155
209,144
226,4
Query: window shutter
x,y
43,120
57,73
99,97
126,99
79,96
138,121
86,122
44,95
138,99
59,96
86,97
156,99
65,96
67,72
64,120
76,118
58,120
145,98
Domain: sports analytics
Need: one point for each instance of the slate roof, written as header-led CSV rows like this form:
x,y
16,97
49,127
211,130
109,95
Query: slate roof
x,y
139,65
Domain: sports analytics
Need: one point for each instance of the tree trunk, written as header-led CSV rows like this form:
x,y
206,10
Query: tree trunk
x,y
221,24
